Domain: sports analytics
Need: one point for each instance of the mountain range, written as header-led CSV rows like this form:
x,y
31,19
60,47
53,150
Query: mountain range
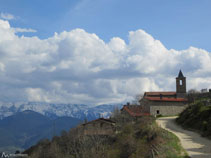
x,y
26,128
50,110
22,125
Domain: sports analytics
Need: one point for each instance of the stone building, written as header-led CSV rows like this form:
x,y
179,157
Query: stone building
x,y
134,111
204,90
166,103
99,126
181,85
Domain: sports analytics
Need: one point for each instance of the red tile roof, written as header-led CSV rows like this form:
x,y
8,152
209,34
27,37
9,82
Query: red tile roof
x,y
158,93
135,111
166,99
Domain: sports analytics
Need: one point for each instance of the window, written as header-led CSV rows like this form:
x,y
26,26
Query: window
x,y
180,82
101,124
158,111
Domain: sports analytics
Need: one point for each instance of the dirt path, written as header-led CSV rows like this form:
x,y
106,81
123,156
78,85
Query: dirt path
x,y
193,143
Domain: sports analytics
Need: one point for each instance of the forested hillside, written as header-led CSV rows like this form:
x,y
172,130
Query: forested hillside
x,y
140,138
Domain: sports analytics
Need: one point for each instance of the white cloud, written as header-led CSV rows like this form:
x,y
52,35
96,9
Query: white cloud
x,y
36,94
79,67
2,67
24,30
7,16
118,45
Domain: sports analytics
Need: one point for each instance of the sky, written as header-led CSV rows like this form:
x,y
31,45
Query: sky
x,y
101,51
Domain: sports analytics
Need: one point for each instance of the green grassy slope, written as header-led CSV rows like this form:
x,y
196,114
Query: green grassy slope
x,y
197,117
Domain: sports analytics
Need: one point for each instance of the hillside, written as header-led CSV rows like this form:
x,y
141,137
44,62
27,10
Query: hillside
x,y
137,138
26,128
197,116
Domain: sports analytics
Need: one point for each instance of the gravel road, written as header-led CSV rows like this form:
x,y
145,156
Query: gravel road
x,y
193,143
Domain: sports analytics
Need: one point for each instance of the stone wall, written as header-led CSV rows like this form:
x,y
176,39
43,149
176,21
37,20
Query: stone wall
x,y
163,108
166,110
194,96
204,95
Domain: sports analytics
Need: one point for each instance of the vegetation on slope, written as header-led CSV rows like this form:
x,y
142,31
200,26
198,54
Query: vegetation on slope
x,y
140,138
197,117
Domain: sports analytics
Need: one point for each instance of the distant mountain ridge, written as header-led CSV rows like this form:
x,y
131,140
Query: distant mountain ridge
x,y
24,129
53,111
23,124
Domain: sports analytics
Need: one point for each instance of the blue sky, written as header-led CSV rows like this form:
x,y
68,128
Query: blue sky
x,y
101,51
178,24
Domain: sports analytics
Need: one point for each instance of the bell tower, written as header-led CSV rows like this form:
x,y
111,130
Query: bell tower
x,y
181,83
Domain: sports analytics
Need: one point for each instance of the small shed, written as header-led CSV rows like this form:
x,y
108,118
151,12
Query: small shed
x,y
99,126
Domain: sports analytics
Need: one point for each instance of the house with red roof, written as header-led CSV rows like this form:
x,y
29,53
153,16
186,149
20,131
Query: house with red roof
x,y
134,111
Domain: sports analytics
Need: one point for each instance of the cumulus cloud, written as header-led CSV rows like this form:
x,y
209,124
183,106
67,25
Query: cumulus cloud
x,y
24,30
79,67
7,16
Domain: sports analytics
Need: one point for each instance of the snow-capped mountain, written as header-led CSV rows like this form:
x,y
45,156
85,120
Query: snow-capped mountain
x,y
79,111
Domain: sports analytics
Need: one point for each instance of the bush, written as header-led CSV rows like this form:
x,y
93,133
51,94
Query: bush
x,y
198,117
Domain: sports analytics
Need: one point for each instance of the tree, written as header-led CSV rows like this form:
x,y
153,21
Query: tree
x,y
137,98
192,95
193,91
115,112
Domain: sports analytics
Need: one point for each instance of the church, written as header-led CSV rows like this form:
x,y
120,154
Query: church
x,y
166,103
